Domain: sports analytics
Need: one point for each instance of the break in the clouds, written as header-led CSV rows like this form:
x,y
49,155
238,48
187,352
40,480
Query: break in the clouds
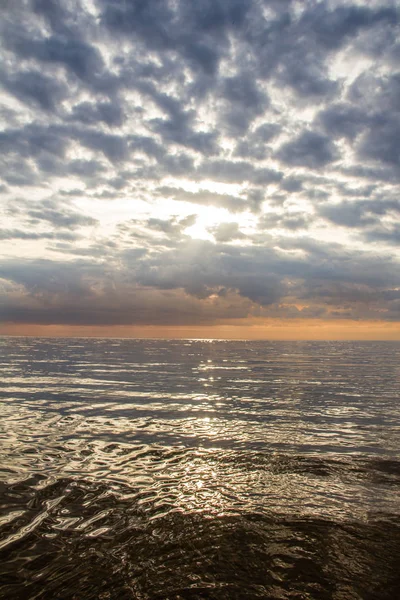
x,y
171,162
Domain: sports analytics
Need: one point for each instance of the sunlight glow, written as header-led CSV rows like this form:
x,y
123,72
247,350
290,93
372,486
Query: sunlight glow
x,y
207,218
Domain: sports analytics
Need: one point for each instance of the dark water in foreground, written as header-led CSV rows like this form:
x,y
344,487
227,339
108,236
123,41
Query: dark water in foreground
x,y
187,470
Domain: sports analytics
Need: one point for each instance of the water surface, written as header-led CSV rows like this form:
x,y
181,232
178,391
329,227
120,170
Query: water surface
x,y
152,469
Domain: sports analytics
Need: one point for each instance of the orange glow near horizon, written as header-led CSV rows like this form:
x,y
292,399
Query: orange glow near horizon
x,y
311,329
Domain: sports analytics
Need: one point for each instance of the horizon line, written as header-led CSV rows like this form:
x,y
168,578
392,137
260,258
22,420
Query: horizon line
x,y
191,339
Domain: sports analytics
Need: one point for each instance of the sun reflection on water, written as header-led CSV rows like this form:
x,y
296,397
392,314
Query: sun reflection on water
x,y
232,430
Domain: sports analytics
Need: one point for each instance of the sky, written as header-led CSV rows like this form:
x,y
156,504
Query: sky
x,y
218,168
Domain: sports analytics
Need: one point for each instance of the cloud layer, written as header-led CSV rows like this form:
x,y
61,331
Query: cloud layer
x,y
189,163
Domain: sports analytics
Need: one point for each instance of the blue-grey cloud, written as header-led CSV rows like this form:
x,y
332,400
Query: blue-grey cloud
x,y
123,122
35,89
88,113
309,149
360,213
15,234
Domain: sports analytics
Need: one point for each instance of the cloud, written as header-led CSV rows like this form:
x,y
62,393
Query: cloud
x,y
87,293
332,28
79,58
33,140
309,149
212,281
381,143
126,123
15,234
51,219
36,89
197,34
343,120
227,232
235,171
204,197
245,101
360,213
255,145
291,221
89,113
389,234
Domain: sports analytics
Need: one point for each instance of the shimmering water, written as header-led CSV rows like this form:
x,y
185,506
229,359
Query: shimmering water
x,y
191,469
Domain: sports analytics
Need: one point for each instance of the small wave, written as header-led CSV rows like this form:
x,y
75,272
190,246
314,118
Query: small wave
x,y
74,539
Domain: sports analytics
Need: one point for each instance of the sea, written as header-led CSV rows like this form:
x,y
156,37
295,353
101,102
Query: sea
x,y
199,469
